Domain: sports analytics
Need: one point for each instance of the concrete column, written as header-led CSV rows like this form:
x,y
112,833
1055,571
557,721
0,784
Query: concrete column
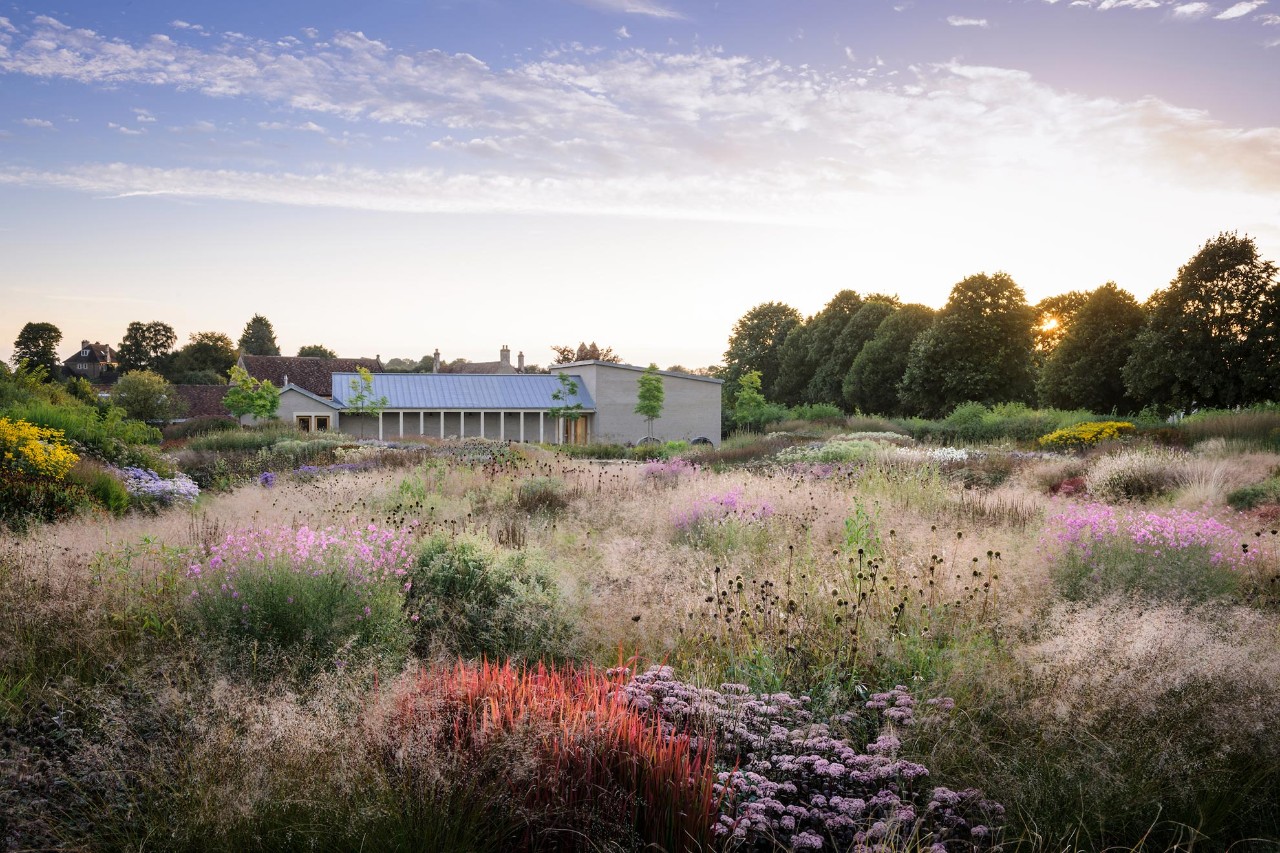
x,y
541,438
402,424
422,423
462,424
379,426
502,426
522,427
442,423
482,424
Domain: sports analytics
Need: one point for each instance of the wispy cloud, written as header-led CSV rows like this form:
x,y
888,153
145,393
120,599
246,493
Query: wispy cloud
x,y
1191,11
635,7
957,21
1239,10
35,122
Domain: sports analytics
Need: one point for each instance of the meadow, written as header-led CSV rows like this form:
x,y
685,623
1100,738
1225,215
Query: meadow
x,y
836,636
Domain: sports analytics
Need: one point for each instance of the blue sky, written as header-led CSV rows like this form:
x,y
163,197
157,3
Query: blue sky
x,y
391,177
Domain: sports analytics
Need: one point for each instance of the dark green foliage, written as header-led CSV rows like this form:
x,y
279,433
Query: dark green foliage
x,y
824,332
81,389
979,349
1212,337
258,338
25,501
106,491
1084,370
794,368
1259,494
817,412
650,396
146,346
37,344
858,332
104,433
316,351
147,396
974,423
756,343
750,409
541,494
472,602
1054,315
872,382
207,351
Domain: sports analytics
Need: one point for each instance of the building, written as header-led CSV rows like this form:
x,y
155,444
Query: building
x,y
594,402
95,361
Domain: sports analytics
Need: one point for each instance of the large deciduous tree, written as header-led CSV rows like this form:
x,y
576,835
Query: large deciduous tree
x,y
1083,370
1211,335
316,351
146,346
1053,315
37,345
980,349
831,366
207,357
258,338
756,343
585,352
859,332
824,334
873,379
147,396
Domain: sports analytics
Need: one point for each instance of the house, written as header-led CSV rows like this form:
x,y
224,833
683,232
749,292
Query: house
x,y
501,366
96,362
600,396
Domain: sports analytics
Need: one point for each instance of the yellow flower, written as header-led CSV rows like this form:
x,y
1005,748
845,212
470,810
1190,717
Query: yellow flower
x,y
1086,435
34,450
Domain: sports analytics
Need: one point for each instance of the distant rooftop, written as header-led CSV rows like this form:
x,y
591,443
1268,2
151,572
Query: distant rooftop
x,y
454,391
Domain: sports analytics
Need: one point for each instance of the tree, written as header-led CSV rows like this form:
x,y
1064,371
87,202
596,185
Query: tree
x,y
827,383
756,342
1053,315
249,396
824,333
147,396
258,338
979,349
585,352
1211,335
146,346
794,368
873,378
207,355
750,409
650,396
316,351
37,345
1084,370
361,401
567,391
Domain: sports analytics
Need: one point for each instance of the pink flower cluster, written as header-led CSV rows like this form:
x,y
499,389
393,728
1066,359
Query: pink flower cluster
x,y
1153,533
669,470
717,509
368,553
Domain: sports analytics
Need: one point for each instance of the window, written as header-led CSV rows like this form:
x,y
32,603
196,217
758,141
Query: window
x,y
322,423
84,353
304,423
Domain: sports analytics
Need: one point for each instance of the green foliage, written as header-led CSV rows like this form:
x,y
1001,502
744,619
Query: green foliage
x,y
1257,426
25,501
1054,316
360,400
146,346
1084,369
830,367
584,352
258,338
253,439
567,391
472,601
80,389
1265,493
250,396
978,424
198,426
751,410
147,396
207,351
650,395
871,384
794,367
1115,566
316,351
816,412
1212,334
979,349
37,345
104,433
541,494
105,489
756,343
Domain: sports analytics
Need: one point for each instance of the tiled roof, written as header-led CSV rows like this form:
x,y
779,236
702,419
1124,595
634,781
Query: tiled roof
x,y
100,353
309,373
204,401
482,367
455,391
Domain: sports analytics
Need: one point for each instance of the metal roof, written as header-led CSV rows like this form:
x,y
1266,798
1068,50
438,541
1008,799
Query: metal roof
x,y
455,391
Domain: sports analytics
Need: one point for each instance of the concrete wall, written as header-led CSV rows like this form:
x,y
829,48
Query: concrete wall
x,y
366,425
293,404
691,405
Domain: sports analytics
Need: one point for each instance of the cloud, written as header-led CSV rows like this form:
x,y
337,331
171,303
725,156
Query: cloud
x,y
621,32
35,122
1191,10
634,7
127,131
143,116
1269,20
957,21
311,32
1239,10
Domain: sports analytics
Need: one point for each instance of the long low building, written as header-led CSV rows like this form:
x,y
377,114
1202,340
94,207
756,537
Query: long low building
x,y
595,402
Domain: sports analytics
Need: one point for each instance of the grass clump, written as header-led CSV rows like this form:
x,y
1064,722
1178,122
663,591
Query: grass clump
x,y
1135,475
1253,496
465,597
542,495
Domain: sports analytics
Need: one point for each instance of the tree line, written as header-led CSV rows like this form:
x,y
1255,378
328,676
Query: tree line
x,y
1211,339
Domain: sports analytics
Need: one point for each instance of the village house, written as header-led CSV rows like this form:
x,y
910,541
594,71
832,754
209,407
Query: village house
x,y
96,362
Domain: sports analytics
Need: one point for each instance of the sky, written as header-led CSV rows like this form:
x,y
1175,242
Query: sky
x,y
392,177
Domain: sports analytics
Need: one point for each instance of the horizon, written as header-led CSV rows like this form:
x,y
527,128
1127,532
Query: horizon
x,y
638,173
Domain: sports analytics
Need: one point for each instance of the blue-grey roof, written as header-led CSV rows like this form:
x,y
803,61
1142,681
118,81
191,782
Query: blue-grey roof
x,y
455,391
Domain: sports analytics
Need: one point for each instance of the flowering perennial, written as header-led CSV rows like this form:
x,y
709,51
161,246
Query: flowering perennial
x,y
149,487
718,509
1085,435
34,451
1155,534
669,471
368,554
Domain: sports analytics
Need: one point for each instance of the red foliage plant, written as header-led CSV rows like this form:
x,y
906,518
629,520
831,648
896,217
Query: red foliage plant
x,y
566,747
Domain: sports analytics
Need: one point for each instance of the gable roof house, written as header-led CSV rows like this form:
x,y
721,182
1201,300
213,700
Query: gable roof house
x,y
506,405
96,362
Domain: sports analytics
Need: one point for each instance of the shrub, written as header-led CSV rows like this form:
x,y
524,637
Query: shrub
x,y
464,598
817,412
1081,436
199,426
1258,494
105,433
572,756
592,451
1135,475
303,598
103,486
835,451
541,494
1177,554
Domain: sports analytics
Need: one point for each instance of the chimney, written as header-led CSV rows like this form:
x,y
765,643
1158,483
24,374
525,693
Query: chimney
x,y
435,361
504,356
520,361
84,345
